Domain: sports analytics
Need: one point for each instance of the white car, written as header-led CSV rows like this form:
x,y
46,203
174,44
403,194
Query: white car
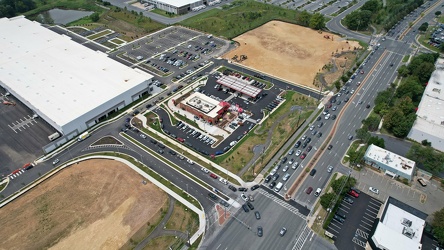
x,y
205,170
190,162
285,168
244,197
224,181
298,153
329,169
312,127
327,117
55,161
373,190
143,136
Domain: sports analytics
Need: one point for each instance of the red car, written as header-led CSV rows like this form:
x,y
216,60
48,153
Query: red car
x,y
308,191
353,193
213,176
303,155
362,71
180,139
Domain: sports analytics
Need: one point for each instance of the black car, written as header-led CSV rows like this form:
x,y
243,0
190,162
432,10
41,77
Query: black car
x,y
330,147
333,117
275,176
341,215
242,189
250,205
254,187
267,179
172,152
309,148
234,189
245,208
212,196
308,140
313,172
161,145
284,159
257,215
272,184
260,232
298,143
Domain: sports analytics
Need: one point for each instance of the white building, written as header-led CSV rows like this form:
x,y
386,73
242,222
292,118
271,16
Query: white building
x,y
177,7
393,164
429,123
68,85
399,227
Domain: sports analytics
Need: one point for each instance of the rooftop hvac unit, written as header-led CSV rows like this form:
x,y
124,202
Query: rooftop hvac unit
x,y
406,222
407,231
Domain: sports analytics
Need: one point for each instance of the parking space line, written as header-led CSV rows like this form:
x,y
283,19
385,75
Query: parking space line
x,y
370,225
371,220
368,229
331,229
362,233
358,242
374,214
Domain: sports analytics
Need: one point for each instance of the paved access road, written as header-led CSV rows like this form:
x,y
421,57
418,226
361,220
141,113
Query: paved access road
x,y
336,26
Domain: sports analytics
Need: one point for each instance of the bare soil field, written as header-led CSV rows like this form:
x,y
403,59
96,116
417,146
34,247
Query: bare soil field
x,y
289,51
96,204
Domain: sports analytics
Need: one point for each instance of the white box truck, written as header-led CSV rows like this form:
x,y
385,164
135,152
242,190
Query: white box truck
x,y
83,136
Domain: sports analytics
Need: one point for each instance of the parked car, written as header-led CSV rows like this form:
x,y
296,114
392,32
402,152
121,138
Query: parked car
x,y
348,200
267,179
353,193
373,190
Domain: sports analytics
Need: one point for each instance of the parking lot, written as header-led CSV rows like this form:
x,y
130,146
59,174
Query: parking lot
x,y
353,221
23,136
201,139
173,51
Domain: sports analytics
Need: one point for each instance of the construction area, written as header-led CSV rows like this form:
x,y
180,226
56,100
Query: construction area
x,y
96,204
288,51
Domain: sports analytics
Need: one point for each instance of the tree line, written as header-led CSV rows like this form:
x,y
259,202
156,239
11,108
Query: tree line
x,y
11,8
373,12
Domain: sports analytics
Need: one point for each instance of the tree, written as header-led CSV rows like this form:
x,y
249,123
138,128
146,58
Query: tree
x,y
438,13
424,71
371,122
372,5
438,225
358,19
426,143
362,134
426,158
411,88
403,71
423,27
337,184
94,17
441,47
376,141
304,18
327,199
317,21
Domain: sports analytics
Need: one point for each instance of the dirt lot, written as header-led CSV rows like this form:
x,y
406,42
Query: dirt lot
x,y
97,204
288,51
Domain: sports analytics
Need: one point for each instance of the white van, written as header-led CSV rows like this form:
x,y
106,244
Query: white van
x,y
278,187
318,192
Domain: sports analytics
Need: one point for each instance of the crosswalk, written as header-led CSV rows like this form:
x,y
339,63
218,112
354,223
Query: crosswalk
x,y
283,204
302,238
15,174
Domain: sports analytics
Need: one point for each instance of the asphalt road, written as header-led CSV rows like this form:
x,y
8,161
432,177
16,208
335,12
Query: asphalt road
x,y
379,75
240,231
336,26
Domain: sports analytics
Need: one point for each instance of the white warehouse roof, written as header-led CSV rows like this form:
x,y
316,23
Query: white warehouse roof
x,y
56,76
429,123
177,3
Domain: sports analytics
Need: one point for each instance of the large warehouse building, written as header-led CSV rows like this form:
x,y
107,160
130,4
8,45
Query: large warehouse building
x,y
68,85
429,123
178,7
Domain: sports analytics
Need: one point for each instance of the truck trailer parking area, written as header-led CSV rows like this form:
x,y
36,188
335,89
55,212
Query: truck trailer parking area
x,y
23,135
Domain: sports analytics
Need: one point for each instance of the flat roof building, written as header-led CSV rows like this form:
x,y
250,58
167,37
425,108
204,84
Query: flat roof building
x,y
67,84
204,107
177,7
239,85
393,164
399,227
429,123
